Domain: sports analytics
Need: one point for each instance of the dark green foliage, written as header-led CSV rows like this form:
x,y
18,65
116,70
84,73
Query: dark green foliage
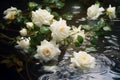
x,y
79,41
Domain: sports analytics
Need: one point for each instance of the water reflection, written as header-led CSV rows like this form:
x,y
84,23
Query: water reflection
x,y
76,9
102,71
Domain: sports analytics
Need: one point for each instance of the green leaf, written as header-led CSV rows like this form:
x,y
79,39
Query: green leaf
x,y
44,29
5,61
19,69
59,4
48,9
56,15
86,27
90,49
93,40
101,22
106,28
68,16
49,1
80,39
99,33
77,44
99,25
97,2
35,40
2,26
32,4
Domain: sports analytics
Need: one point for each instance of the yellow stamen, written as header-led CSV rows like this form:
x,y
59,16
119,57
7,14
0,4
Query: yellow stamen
x,y
62,29
46,52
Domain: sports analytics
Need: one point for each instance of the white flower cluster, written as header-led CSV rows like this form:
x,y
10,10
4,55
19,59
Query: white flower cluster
x,y
94,11
48,48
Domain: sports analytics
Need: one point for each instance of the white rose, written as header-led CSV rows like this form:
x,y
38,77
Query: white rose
x,y
60,30
29,25
111,12
40,17
23,32
83,60
77,31
23,43
93,12
47,51
11,13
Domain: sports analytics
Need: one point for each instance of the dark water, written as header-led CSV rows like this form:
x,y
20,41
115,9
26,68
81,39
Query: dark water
x,y
108,50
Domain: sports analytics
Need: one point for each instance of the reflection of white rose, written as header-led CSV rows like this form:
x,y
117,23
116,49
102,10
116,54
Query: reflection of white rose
x,y
77,31
29,25
51,68
47,51
93,12
24,43
60,30
40,17
111,12
83,60
10,13
23,32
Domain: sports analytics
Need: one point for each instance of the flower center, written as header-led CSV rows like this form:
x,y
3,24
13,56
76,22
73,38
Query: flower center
x,y
84,58
11,15
46,52
62,29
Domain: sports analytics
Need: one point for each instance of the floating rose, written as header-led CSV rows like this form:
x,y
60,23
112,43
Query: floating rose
x,y
82,60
